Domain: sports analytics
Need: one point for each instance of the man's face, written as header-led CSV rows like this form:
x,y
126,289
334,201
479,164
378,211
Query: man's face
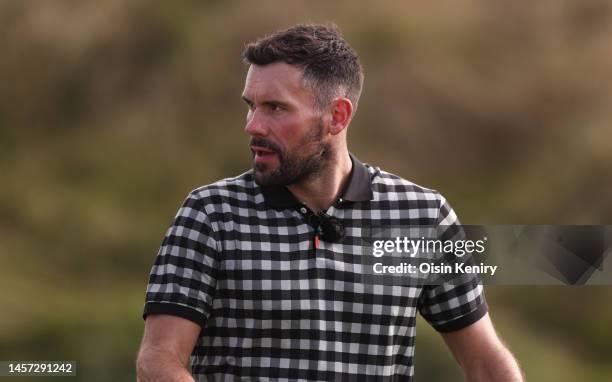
x,y
287,132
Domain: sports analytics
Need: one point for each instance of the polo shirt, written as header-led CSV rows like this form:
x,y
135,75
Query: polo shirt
x,y
276,304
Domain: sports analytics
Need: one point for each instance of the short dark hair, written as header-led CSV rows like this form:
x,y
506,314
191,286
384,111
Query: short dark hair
x,y
330,64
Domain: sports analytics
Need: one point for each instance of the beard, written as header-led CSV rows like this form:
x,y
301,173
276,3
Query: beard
x,y
294,167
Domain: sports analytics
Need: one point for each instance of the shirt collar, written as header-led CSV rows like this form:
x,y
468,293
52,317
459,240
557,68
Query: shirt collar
x,y
359,189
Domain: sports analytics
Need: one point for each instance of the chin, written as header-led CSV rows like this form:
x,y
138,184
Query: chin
x,y
262,177
268,178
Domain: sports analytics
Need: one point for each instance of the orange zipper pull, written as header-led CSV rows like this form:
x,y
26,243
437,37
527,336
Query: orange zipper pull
x,y
316,241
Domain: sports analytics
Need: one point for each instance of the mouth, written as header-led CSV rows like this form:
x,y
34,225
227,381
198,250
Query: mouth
x,y
262,153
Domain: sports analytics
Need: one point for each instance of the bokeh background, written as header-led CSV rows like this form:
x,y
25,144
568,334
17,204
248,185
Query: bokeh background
x,y
111,112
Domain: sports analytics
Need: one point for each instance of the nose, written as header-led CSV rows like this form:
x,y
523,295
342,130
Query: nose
x,y
255,125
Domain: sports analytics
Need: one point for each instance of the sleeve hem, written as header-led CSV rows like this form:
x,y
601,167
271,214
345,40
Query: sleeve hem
x,y
174,309
463,321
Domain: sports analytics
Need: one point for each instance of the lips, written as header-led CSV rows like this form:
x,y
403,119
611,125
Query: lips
x,y
264,156
262,151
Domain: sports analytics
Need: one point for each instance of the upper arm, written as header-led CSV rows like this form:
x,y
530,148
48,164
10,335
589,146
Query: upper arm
x,y
183,279
452,301
172,334
472,343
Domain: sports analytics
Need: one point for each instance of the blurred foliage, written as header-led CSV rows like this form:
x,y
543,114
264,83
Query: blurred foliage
x,y
111,112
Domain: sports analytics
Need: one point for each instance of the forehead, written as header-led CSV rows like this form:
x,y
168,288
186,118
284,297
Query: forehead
x,y
275,81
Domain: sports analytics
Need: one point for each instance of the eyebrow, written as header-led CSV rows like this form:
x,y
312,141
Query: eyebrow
x,y
267,103
248,101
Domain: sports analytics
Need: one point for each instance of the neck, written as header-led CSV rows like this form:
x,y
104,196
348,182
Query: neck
x,y
320,192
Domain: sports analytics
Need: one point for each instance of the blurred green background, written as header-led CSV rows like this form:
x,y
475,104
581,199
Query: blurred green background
x,y
111,112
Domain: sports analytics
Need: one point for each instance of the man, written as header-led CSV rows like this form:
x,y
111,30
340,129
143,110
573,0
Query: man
x,y
260,275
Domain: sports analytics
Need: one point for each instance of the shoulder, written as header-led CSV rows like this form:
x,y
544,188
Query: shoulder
x,y
235,187
389,186
238,190
424,204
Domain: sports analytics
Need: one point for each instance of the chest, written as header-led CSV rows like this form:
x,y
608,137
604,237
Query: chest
x,y
272,266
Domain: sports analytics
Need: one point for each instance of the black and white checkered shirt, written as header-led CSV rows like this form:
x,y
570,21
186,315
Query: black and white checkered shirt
x,y
241,262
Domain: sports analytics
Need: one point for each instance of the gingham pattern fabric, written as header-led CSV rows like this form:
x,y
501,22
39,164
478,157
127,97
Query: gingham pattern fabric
x,y
241,262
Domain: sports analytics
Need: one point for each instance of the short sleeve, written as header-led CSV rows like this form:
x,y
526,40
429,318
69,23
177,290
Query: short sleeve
x,y
452,306
182,281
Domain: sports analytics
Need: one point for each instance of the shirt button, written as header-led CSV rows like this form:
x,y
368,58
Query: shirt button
x,y
303,210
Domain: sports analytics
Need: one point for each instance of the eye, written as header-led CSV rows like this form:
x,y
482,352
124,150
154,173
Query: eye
x,y
250,111
250,104
275,107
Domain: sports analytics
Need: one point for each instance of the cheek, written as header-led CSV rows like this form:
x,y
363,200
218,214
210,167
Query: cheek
x,y
288,130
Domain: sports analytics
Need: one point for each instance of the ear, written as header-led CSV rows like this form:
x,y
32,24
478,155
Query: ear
x,y
341,114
